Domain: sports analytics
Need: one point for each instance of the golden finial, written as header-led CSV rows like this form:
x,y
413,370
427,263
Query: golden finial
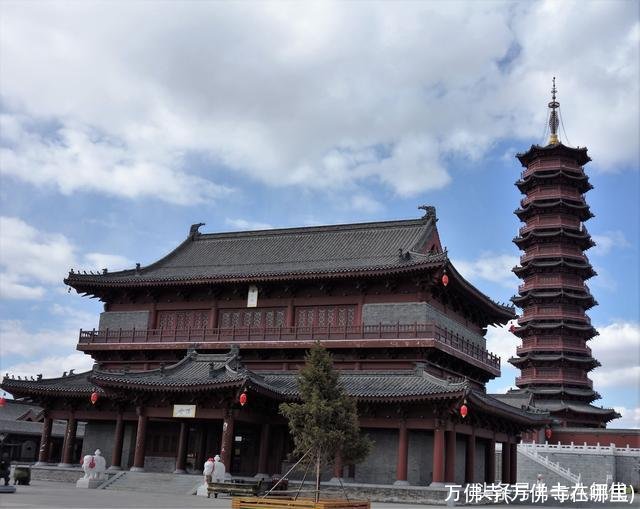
x,y
553,118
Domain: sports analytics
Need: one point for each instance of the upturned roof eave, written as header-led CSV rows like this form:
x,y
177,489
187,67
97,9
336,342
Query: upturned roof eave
x,y
94,280
501,312
538,151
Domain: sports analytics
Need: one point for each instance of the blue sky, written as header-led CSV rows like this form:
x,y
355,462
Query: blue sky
x,y
123,124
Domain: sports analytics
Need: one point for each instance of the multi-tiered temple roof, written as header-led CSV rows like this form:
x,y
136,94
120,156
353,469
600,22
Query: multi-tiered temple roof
x,y
554,357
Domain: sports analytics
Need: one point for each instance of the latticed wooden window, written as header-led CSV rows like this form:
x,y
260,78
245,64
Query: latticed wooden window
x,y
172,320
325,316
251,318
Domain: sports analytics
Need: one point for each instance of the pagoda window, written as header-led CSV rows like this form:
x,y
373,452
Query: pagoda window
x,y
325,316
255,318
180,320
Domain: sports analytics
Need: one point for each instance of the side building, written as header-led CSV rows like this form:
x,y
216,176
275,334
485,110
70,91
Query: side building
x,y
231,314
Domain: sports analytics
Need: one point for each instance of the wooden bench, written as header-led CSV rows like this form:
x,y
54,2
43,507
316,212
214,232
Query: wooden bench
x,y
234,488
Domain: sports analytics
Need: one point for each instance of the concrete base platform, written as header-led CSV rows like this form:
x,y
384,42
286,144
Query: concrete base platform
x,y
202,491
91,484
7,489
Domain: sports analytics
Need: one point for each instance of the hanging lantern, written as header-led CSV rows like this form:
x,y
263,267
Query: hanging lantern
x,y
445,279
243,398
94,397
464,410
548,433
3,402
512,329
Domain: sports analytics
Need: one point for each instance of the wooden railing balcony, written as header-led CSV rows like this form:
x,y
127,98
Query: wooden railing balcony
x,y
549,194
550,164
554,314
548,251
553,379
427,334
557,282
553,343
551,221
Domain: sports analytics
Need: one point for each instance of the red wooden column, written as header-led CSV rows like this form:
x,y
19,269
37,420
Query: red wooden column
x,y
450,463
506,462
69,441
338,467
118,436
263,453
403,454
513,453
226,443
470,459
45,441
181,459
490,462
141,438
438,456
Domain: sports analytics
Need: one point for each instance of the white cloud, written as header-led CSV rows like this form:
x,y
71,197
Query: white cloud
x,y
51,366
243,224
618,350
492,267
502,343
31,260
608,241
630,418
15,339
329,95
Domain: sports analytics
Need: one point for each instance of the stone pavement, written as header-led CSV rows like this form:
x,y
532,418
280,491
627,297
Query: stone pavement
x,y
58,495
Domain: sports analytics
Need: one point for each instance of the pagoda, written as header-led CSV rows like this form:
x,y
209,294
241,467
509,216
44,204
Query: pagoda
x,y
554,358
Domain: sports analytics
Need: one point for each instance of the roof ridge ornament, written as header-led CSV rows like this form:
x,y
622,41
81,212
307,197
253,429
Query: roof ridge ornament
x,y
194,230
553,117
429,211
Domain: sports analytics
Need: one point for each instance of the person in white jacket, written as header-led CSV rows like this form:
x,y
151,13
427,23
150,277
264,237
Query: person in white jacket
x,y
219,469
207,471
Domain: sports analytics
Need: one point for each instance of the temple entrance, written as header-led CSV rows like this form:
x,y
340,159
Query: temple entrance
x,y
203,442
246,446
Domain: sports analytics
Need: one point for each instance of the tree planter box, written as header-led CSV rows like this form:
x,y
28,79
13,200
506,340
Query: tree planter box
x,y
301,503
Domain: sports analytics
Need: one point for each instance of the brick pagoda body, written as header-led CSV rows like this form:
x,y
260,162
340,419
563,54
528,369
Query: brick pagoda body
x,y
554,358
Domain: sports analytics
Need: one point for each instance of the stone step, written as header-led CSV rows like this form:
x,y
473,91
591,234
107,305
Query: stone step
x,y
157,483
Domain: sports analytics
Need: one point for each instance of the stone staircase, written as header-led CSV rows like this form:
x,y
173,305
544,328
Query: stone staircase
x,y
154,483
549,469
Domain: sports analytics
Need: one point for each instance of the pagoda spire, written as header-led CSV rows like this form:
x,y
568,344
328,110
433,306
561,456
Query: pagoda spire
x,y
553,117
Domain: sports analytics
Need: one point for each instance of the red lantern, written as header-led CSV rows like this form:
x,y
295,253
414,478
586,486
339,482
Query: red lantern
x,y
547,433
445,279
3,402
243,399
512,329
94,397
464,410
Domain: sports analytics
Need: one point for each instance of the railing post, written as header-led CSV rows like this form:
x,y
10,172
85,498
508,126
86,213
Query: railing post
x,y
133,338
120,335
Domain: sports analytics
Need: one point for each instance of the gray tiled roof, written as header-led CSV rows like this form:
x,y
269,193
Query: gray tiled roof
x,y
575,406
387,385
13,410
215,370
291,251
77,384
558,150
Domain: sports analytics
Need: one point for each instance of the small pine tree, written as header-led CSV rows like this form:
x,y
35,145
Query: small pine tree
x,y
326,421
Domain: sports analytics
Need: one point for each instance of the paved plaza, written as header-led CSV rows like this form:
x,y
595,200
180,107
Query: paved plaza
x,y
54,495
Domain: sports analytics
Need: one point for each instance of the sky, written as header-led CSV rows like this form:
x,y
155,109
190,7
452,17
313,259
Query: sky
x,y
123,123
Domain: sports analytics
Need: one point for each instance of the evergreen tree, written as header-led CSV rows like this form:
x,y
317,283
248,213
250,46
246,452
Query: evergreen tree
x,y
326,421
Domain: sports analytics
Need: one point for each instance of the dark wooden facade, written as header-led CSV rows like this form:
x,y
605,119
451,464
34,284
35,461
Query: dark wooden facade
x,y
409,344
